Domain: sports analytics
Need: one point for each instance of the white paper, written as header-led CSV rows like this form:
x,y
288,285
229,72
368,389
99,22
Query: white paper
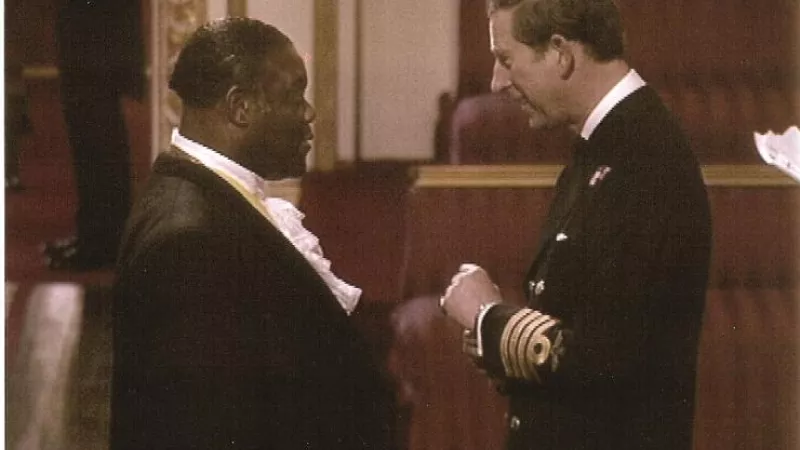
x,y
781,150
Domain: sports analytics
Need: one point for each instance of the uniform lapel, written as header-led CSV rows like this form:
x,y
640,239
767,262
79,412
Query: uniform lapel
x,y
571,186
584,179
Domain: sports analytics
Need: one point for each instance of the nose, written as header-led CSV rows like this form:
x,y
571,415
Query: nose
x,y
501,79
310,113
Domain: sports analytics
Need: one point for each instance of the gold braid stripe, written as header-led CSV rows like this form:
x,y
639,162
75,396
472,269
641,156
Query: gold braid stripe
x,y
517,364
506,338
527,330
516,369
537,350
532,328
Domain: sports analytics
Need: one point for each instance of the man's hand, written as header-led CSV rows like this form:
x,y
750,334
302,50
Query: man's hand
x,y
470,288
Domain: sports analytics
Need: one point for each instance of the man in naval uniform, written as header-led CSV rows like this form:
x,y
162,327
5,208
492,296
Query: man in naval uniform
x,y
603,356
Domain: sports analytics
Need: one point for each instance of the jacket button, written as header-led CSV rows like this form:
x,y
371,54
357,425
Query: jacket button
x,y
514,423
536,287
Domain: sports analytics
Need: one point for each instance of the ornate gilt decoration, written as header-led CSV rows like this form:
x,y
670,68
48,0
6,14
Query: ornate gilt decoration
x,y
173,22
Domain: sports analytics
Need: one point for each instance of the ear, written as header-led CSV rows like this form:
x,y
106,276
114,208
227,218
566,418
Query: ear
x,y
240,106
565,54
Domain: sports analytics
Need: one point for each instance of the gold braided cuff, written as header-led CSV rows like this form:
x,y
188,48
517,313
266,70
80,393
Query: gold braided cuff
x,y
524,346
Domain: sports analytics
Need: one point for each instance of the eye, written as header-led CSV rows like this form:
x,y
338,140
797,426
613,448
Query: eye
x,y
504,61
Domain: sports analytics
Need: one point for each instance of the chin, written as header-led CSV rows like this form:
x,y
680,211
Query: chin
x,y
287,174
296,170
286,168
538,121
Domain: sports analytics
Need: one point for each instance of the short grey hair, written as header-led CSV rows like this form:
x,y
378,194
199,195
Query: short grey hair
x,y
595,23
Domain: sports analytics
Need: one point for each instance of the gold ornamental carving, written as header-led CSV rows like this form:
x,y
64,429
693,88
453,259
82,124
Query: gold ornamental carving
x,y
174,21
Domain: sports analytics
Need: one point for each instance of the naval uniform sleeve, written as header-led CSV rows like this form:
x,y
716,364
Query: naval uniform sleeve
x,y
624,314
518,343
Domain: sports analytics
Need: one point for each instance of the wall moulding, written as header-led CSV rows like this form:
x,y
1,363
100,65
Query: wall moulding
x,y
544,176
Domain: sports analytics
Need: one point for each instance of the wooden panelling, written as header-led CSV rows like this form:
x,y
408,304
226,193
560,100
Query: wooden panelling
x,y
747,391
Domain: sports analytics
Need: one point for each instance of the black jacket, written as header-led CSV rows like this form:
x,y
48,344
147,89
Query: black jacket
x,y
621,273
224,335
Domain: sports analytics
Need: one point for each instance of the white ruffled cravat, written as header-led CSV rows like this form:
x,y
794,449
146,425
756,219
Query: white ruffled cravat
x,y
281,213
289,221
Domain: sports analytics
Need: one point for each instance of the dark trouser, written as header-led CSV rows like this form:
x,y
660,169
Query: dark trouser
x,y
17,124
101,157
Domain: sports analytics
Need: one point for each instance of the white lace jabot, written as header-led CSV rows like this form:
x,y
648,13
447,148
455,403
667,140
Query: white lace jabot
x,y
286,217
289,221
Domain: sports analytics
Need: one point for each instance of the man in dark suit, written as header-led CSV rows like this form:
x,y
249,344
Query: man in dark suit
x,y
603,355
100,60
230,331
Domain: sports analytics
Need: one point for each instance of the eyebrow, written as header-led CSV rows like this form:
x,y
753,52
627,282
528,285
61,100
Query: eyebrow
x,y
500,55
497,50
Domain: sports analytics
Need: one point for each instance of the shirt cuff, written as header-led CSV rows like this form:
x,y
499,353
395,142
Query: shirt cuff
x,y
484,309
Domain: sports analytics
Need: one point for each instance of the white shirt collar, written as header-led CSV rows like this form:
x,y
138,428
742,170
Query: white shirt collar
x,y
219,162
625,87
